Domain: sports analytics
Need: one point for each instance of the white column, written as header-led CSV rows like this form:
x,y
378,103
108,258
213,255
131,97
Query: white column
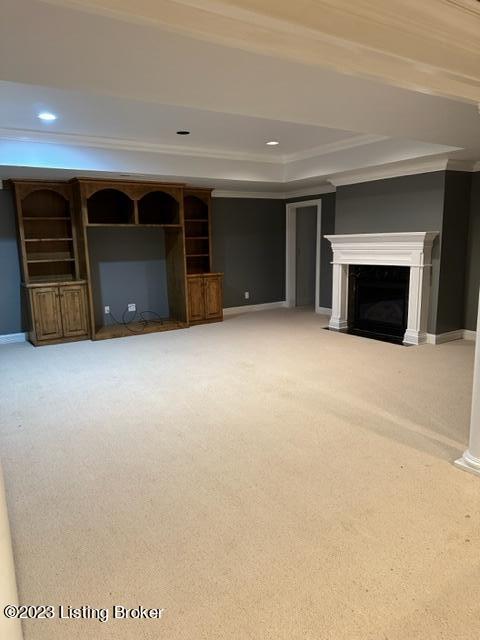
x,y
339,318
10,629
471,458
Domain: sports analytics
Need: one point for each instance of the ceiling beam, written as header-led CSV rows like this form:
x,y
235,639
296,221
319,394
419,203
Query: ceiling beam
x,y
430,46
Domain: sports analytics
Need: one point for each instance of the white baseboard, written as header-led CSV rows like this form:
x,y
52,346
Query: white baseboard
x,y
254,307
13,337
459,334
324,311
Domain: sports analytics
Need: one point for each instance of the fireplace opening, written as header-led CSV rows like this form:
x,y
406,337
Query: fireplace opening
x,y
378,301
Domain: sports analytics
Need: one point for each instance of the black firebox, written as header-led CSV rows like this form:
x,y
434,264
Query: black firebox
x,y
378,301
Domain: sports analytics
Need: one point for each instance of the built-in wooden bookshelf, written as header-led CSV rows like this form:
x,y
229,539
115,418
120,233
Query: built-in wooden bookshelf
x,y
196,207
56,221
205,289
46,231
53,284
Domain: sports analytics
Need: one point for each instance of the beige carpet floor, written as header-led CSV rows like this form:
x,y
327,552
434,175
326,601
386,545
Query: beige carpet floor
x,y
259,479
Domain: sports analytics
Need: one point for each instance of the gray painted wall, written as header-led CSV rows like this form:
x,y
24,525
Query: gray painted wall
x,y
407,203
326,255
128,265
248,243
451,293
10,311
472,271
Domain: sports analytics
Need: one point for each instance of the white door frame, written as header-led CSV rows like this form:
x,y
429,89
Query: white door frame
x,y
291,252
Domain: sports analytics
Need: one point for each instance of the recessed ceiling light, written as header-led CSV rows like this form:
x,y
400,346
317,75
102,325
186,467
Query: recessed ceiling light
x,y
272,143
183,133
46,116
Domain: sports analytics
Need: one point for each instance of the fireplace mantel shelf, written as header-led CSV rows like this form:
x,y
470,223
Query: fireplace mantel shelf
x,y
412,250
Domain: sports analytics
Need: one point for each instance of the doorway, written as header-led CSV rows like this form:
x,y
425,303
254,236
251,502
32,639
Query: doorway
x,y
305,250
303,235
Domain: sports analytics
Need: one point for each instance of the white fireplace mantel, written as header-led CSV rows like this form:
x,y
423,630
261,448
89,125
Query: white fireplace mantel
x,y
412,250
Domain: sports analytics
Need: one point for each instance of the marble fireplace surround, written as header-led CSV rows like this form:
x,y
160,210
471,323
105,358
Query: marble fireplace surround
x,y
412,250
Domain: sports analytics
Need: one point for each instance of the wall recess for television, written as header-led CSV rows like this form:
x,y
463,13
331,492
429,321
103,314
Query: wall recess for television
x,y
55,223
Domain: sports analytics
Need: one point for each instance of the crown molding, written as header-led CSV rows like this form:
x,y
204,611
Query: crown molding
x,y
399,169
383,172
274,195
268,195
391,170
27,135
313,191
430,46
332,147
101,142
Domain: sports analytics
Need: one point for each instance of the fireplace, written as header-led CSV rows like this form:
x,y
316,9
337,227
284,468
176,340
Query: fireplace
x,y
390,292
378,301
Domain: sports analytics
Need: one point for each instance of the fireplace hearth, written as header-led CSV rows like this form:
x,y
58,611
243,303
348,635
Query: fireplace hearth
x,y
378,301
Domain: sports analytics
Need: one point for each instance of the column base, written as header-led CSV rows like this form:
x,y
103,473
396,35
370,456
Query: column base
x,y
336,324
414,337
468,463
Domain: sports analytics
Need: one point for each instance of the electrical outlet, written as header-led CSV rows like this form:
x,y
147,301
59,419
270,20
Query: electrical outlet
x,y
247,295
132,306
107,310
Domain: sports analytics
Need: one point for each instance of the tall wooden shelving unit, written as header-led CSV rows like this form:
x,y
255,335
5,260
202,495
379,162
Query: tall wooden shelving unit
x,y
53,280
55,223
205,287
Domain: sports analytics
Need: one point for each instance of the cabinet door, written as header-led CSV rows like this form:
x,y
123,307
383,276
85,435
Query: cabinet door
x,y
196,302
73,304
46,313
213,297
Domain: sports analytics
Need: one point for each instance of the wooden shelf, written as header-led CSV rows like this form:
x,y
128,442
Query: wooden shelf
x,y
133,225
196,219
196,238
38,257
48,239
52,280
135,328
46,217
197,255
111,225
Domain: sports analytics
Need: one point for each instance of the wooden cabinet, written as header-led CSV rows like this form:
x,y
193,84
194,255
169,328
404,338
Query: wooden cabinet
x,y
213,296
73,307
205,298
47,321
196,299
58,313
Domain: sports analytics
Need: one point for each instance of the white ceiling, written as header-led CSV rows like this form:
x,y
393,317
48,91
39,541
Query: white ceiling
x,y
85,114
122,88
